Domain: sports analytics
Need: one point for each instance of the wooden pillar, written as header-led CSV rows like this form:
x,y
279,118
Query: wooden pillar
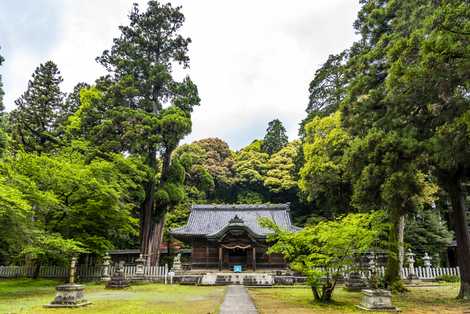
x,y
220,257
207,254
254,258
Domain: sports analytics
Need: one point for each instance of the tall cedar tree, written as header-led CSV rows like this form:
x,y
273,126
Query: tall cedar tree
x,y
3,136
327,89
72,102
412,80
2,108
35,121
275,138
428,87
140,62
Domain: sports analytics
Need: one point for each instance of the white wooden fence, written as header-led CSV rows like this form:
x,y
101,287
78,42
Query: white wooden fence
x,y
83,272
420,272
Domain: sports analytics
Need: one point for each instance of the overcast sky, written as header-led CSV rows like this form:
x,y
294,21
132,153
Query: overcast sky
x,y
252,60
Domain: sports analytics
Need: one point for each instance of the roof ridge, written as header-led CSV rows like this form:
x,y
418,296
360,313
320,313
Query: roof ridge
x,y
284,206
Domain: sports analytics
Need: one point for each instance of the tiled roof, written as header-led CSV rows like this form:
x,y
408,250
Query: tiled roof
x,y
207,220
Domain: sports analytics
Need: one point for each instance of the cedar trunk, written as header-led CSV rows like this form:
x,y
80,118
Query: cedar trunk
x,y
153,217
392,272
401,242
458,215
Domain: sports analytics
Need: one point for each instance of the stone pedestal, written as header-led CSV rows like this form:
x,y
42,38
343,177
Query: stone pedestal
x,y
118,279
69,295
355,282
377,300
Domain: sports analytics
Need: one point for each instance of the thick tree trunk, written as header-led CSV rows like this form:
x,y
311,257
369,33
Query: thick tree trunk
x,y
153,222
147,223
401,241
392,271
458,215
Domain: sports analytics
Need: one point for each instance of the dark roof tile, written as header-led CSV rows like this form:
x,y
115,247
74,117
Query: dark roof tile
x,y
209,219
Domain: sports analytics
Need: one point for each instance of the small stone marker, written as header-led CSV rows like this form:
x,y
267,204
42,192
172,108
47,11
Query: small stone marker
x,y
105,276
69,294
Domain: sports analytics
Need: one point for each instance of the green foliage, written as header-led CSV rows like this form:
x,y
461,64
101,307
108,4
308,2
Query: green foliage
x,y
2,107
250,167
218,160
275,138
39,111
52,248
144,111
409,90
427,232
327,89
90,203
280,169
250,197
321,251
324,175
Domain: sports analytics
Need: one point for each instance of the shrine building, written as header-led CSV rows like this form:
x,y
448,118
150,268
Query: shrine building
x,y
224,236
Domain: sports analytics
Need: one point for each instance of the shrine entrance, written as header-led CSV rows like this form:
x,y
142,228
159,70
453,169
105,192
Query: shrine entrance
x,y
237,256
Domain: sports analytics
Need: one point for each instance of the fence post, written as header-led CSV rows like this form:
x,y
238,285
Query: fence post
x,y
166,273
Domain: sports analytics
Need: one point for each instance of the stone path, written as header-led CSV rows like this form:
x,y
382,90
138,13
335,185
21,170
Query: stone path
x,y
237,301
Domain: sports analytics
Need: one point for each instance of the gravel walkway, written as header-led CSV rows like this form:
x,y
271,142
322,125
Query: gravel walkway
x,y
237,301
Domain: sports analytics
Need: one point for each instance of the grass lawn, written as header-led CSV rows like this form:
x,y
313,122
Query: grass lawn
x,y
28,296
420,300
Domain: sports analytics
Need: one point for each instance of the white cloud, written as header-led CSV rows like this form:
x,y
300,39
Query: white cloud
x,y
252,60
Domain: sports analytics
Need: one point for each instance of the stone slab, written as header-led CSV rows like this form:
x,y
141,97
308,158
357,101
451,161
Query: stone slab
x,y
237,301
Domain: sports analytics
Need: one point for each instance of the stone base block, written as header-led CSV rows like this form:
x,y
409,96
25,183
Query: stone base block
x,y
377,300
69,295
117,283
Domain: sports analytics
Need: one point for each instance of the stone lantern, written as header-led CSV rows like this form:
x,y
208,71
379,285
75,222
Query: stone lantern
x,y
69,294
140,268
177,263
427,264
410,257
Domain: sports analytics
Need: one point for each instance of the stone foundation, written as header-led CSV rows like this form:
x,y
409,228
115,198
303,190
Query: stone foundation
x,y
69,295
377,300
248,279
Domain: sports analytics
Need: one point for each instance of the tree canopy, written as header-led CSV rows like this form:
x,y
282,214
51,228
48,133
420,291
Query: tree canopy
x,y
275,138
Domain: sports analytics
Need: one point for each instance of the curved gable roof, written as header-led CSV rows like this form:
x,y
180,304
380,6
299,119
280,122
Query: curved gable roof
x,y
207,220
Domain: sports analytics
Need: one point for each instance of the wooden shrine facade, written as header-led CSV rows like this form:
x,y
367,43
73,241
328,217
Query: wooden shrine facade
x,y
223,236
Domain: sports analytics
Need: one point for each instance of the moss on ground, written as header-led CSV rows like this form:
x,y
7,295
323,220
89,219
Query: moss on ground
x,y
28,296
